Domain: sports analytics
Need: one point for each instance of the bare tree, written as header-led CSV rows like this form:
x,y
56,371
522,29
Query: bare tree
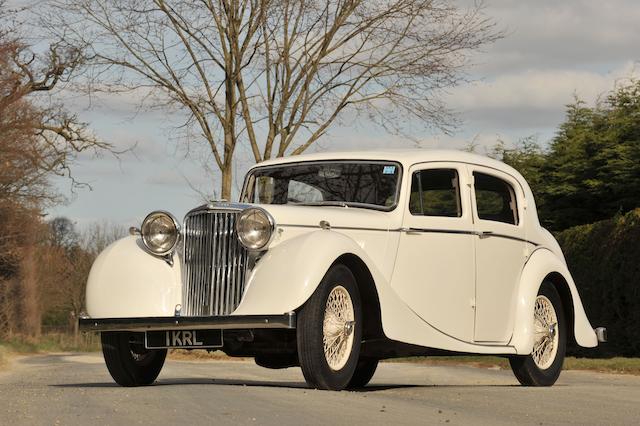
x,y
38,139
62,233
274,76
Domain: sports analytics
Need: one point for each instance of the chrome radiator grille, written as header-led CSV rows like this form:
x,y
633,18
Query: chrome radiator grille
x,y
215,263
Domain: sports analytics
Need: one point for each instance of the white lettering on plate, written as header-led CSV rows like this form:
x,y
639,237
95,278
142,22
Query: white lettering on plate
x,y
175,338
182,338
186,338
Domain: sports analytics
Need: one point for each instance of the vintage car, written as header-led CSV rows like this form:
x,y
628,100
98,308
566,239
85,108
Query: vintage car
x,y
332,262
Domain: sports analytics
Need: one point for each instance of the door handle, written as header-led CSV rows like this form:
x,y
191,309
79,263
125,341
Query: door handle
x,y
485,234
411,231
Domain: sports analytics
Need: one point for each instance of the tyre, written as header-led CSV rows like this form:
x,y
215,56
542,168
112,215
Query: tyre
x,y
128,362
329,331
365,370
543,366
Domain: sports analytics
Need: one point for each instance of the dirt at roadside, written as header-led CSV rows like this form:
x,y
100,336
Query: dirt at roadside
x,y
186,355
5,358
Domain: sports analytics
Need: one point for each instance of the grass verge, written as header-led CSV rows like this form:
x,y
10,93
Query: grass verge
x,y
616,365
51,342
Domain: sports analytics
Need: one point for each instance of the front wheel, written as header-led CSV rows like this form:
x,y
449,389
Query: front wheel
x,y
364,372
128,362
329,331
543,366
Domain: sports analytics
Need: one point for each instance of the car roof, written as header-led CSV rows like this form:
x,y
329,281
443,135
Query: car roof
x,y
407,157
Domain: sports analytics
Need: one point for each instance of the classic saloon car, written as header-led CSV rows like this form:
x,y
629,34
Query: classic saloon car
x,y
332,262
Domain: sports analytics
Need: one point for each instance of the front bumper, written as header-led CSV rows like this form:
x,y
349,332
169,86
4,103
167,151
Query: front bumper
x,y
230,322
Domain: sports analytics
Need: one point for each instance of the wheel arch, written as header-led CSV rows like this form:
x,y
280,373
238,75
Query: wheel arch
x,y
561,284
372,318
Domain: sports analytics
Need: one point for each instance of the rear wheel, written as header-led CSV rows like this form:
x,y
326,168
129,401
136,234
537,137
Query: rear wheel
x,y
364,372
543,366
128,362
329,331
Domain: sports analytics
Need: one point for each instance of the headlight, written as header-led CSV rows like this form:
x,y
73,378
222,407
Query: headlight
x,y
160,233
255,228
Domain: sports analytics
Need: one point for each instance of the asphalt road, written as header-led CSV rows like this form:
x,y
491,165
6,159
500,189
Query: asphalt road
x,y
76,389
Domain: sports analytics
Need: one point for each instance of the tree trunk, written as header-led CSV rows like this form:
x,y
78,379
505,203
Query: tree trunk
x,y
76,329
30,308
227,179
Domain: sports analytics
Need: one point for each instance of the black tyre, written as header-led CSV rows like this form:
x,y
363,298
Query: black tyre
x,y
329,331
364,372
128,362
543,366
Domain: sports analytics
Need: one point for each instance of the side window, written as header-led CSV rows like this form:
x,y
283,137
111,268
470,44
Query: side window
x,y
495,199
435,192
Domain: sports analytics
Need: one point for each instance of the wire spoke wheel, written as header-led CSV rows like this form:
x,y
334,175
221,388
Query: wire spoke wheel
x,y
337,328
542,366
545,343
329,331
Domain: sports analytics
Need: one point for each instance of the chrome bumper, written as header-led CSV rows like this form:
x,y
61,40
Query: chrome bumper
x,y
286,321
601,333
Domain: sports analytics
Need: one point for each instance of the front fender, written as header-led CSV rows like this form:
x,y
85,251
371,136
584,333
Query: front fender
x,y
126,281
541,263
288,274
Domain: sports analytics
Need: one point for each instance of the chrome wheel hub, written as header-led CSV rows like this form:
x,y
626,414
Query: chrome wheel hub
x,y
337,328
545,341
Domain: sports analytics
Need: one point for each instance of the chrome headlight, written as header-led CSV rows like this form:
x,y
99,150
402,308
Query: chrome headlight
x,y
255,228
160,233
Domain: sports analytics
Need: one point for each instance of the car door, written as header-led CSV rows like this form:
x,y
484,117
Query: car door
x,y
500,251
434,269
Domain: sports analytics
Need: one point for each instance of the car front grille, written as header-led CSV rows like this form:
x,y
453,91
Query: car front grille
x,y
215,263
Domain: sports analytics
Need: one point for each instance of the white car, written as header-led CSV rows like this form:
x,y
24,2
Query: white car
x,y
332,262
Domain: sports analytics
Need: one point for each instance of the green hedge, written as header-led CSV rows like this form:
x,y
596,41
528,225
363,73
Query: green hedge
x,y
604,259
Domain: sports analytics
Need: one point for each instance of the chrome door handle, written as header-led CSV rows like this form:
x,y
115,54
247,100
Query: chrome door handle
x,y
410,231
485,234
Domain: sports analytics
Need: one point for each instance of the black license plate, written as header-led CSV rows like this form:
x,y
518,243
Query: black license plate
x,y
187,339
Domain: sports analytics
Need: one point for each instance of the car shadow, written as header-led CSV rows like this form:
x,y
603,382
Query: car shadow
x,y
274,384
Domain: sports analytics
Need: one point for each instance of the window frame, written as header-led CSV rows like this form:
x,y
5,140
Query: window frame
x,y
457,188
511,184
398,193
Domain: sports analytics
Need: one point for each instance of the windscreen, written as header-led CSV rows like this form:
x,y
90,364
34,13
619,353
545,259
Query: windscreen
x,y
363,184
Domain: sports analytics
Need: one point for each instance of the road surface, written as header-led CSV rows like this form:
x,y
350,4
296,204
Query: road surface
x,y
76,389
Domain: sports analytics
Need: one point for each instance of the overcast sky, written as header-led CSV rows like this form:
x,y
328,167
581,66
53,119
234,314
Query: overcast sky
x,y
553,50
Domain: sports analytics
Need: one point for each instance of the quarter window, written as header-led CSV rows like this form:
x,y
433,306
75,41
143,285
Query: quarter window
x,y
495,199
435,192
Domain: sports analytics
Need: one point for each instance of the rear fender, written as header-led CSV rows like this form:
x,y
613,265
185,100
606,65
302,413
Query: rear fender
x,y
540,265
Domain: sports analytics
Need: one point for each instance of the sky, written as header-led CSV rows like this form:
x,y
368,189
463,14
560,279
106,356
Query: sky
x,y
553,51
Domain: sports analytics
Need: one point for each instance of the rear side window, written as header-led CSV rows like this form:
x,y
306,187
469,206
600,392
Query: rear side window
x,y
435,192
495,199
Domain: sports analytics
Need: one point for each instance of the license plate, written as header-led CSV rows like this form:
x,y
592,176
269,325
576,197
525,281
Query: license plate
x,y
186,339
